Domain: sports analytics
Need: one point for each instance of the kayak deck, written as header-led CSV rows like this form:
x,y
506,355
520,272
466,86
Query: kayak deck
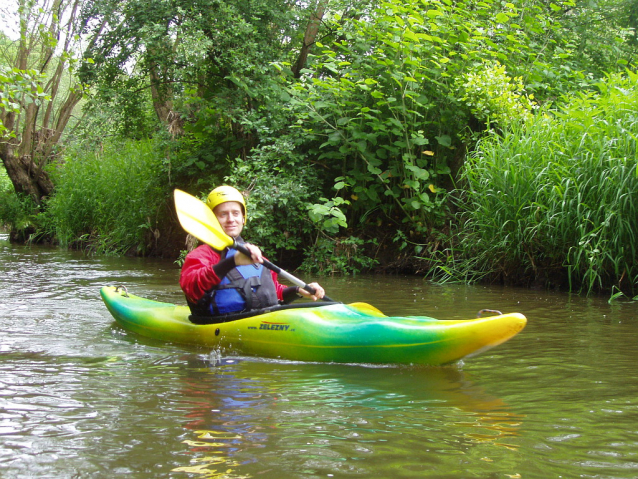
x,y
346,333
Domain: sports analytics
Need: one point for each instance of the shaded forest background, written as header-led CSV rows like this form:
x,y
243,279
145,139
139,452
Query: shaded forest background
x,y
464,141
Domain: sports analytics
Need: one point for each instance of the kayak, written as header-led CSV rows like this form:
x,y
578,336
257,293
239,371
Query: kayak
x,y
317,332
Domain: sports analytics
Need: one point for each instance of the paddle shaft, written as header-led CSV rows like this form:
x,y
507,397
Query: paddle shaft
x,y
273,267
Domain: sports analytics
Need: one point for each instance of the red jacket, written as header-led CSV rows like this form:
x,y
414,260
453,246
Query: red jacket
x,y
198,276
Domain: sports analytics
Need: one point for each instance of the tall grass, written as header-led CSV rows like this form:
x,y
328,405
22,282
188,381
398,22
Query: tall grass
x,y
108,200
556,202
18,212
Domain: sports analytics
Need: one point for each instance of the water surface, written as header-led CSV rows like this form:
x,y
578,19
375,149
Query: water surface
x,y
80,397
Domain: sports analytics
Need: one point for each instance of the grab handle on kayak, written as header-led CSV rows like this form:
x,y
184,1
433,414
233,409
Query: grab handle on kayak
x,y
125,291
495,311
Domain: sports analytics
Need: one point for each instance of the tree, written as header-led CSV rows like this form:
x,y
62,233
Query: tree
x,y
45,57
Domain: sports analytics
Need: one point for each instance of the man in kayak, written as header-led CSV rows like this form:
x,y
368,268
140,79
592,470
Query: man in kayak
x,y
224,282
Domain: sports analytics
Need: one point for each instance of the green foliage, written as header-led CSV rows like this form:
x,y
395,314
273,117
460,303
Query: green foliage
x,y
328,215
127,114
558,199
367,105
17,89
616,295
372,132
388,105
602,35
18,213
341,255
207,60
5,182
109,201
493,97
278,183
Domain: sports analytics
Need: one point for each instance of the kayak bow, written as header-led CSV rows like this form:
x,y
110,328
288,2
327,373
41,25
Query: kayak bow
x,y
344,333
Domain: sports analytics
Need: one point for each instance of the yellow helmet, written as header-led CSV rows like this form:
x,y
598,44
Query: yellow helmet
x,y
224,194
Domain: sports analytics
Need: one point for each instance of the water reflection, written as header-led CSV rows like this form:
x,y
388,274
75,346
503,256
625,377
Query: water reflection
x,y
321,416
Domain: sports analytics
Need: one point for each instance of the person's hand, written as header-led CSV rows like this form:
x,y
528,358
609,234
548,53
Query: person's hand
x,y
255,256
319,292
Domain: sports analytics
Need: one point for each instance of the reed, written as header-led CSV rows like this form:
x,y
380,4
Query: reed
x,y
555,202
18,212
108,201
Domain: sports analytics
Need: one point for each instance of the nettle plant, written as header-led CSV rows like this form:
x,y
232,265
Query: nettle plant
x,y
388,105
494,97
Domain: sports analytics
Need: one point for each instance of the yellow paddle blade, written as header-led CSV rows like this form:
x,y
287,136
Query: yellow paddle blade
x,y
198,219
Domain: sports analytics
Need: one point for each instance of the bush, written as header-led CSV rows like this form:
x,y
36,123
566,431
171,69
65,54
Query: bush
x,y
492,96
278,184
339,255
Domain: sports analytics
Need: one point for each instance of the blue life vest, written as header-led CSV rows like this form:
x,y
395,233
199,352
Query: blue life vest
x,y
244,288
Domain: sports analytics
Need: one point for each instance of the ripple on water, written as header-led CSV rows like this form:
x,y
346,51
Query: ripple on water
x,y
81,398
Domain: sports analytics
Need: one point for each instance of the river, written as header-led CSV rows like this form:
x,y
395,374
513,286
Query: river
x,y
81,398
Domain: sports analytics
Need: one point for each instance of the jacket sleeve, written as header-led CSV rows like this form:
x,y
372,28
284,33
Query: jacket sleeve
x,y
198,275
280,287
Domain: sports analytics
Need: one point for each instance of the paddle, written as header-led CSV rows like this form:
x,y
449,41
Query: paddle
x,y
198,219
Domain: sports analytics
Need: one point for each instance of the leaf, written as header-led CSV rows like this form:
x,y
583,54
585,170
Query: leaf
x,y
425,199
338,214
409,34
419,173
374,170
335,137
444,140
284,96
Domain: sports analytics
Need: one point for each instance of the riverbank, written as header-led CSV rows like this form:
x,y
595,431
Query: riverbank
x,y
522,214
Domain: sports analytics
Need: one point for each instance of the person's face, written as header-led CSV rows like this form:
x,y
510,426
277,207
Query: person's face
x,y
230,218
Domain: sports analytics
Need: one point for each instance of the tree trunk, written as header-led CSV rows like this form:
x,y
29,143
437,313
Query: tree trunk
x,y
161,89
162,97
309,38
27,177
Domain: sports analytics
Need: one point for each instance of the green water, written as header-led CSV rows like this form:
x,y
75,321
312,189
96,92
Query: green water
x,y
80,397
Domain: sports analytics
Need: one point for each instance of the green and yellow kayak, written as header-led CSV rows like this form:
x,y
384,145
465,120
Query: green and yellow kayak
x,y
344,333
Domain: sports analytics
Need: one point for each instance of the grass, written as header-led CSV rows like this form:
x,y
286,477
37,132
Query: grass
x,y
555,202
18,212
108,200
